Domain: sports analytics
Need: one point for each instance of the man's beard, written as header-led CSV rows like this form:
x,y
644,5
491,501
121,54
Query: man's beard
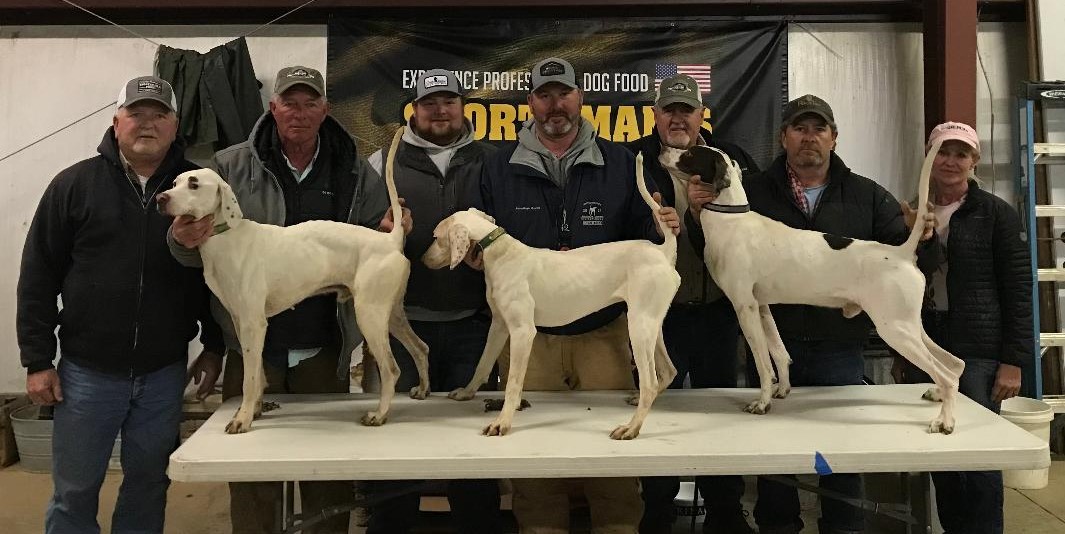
x,y
809,158
679,140
554,129
441,135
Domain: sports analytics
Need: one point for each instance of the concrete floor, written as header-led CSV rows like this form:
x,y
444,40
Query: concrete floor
x,y
202,508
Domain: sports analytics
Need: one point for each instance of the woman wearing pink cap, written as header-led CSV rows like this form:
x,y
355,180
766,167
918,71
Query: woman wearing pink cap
x,y
978,305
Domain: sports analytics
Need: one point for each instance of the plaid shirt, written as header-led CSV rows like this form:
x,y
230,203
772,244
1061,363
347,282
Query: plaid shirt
x,y
798,190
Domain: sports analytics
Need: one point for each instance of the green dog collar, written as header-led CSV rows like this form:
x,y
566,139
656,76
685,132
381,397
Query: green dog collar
x,y
491,237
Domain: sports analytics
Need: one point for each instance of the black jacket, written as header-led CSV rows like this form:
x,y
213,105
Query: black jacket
x,y
651,148
603,200
97,241
850,206
431,198
989,282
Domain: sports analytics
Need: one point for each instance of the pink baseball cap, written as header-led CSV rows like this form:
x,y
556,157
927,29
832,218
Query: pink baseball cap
x,y
957,131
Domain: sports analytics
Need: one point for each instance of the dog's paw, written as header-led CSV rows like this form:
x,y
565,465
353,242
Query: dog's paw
x,y
633,399
238,425
461,394
497,428
933,394
624,432
418,392
758,407
373,419
780,391
941,425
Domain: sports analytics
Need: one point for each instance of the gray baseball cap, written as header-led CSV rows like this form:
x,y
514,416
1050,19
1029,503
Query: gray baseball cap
x,y
147,88
292,76
553,69
681,89
808,104
436,81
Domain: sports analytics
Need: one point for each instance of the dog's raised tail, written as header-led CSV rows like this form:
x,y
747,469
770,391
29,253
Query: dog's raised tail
x,y
390,185
910,246
669,244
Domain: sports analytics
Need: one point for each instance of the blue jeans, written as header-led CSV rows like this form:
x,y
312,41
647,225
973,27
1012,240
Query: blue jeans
x,y
96,407
455,347
817,363
969,502
701,341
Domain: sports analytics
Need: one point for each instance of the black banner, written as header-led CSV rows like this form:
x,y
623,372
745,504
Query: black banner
x,y
740,66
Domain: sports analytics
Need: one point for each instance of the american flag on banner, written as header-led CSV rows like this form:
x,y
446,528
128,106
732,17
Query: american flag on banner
x,y
700,73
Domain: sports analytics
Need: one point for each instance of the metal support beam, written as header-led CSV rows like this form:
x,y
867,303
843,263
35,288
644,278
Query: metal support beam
x,y
949,62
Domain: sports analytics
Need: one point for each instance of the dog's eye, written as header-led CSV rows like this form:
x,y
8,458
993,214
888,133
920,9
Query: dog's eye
x,y
193,185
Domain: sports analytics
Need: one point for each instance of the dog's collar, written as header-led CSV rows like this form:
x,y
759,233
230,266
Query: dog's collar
x,y
219,228
491,237
721,208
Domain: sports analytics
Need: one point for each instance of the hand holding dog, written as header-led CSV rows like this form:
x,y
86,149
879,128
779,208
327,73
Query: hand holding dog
x,y
699,193
667,215
910,215
387,223
191,233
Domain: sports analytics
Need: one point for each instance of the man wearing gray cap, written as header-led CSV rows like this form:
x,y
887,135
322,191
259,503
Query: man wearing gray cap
x,y
701,330
810,187
437,170
129,312
561,187
298,164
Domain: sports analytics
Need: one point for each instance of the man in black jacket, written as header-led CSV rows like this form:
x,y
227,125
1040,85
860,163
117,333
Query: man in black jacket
x,y
701,330
561,187
437,171
129,312
809,187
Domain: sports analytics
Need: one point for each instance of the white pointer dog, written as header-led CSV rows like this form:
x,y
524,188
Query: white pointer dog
x,y
259,270
758,261
524,285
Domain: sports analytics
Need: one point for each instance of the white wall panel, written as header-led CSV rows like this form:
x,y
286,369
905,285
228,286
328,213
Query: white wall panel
x,y
50,76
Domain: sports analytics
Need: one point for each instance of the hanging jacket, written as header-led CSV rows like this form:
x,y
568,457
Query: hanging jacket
x,y
217,92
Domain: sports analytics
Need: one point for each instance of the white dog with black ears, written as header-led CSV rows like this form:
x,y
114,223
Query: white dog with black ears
x,y
758,261
259,270
524,285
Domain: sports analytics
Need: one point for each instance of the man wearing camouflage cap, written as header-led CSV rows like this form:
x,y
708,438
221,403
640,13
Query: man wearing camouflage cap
x,y
701,330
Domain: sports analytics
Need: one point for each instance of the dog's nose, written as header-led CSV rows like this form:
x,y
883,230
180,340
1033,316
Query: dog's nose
x,y
161,199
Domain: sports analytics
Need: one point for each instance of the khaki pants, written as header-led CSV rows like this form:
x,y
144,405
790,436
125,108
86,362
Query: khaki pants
x,y
255,507
601,359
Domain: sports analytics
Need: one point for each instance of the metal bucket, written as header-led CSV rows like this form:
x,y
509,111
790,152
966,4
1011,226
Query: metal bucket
x,y
33,437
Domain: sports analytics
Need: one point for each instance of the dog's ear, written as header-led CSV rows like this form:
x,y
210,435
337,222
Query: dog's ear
x,y
458,237
230,208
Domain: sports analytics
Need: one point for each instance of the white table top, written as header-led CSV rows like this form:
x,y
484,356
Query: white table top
x,y
689,432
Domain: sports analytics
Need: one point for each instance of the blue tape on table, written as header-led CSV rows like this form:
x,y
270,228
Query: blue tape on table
x,y
821,465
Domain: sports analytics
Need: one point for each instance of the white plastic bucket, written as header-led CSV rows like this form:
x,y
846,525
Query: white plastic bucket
x,y
1034,416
